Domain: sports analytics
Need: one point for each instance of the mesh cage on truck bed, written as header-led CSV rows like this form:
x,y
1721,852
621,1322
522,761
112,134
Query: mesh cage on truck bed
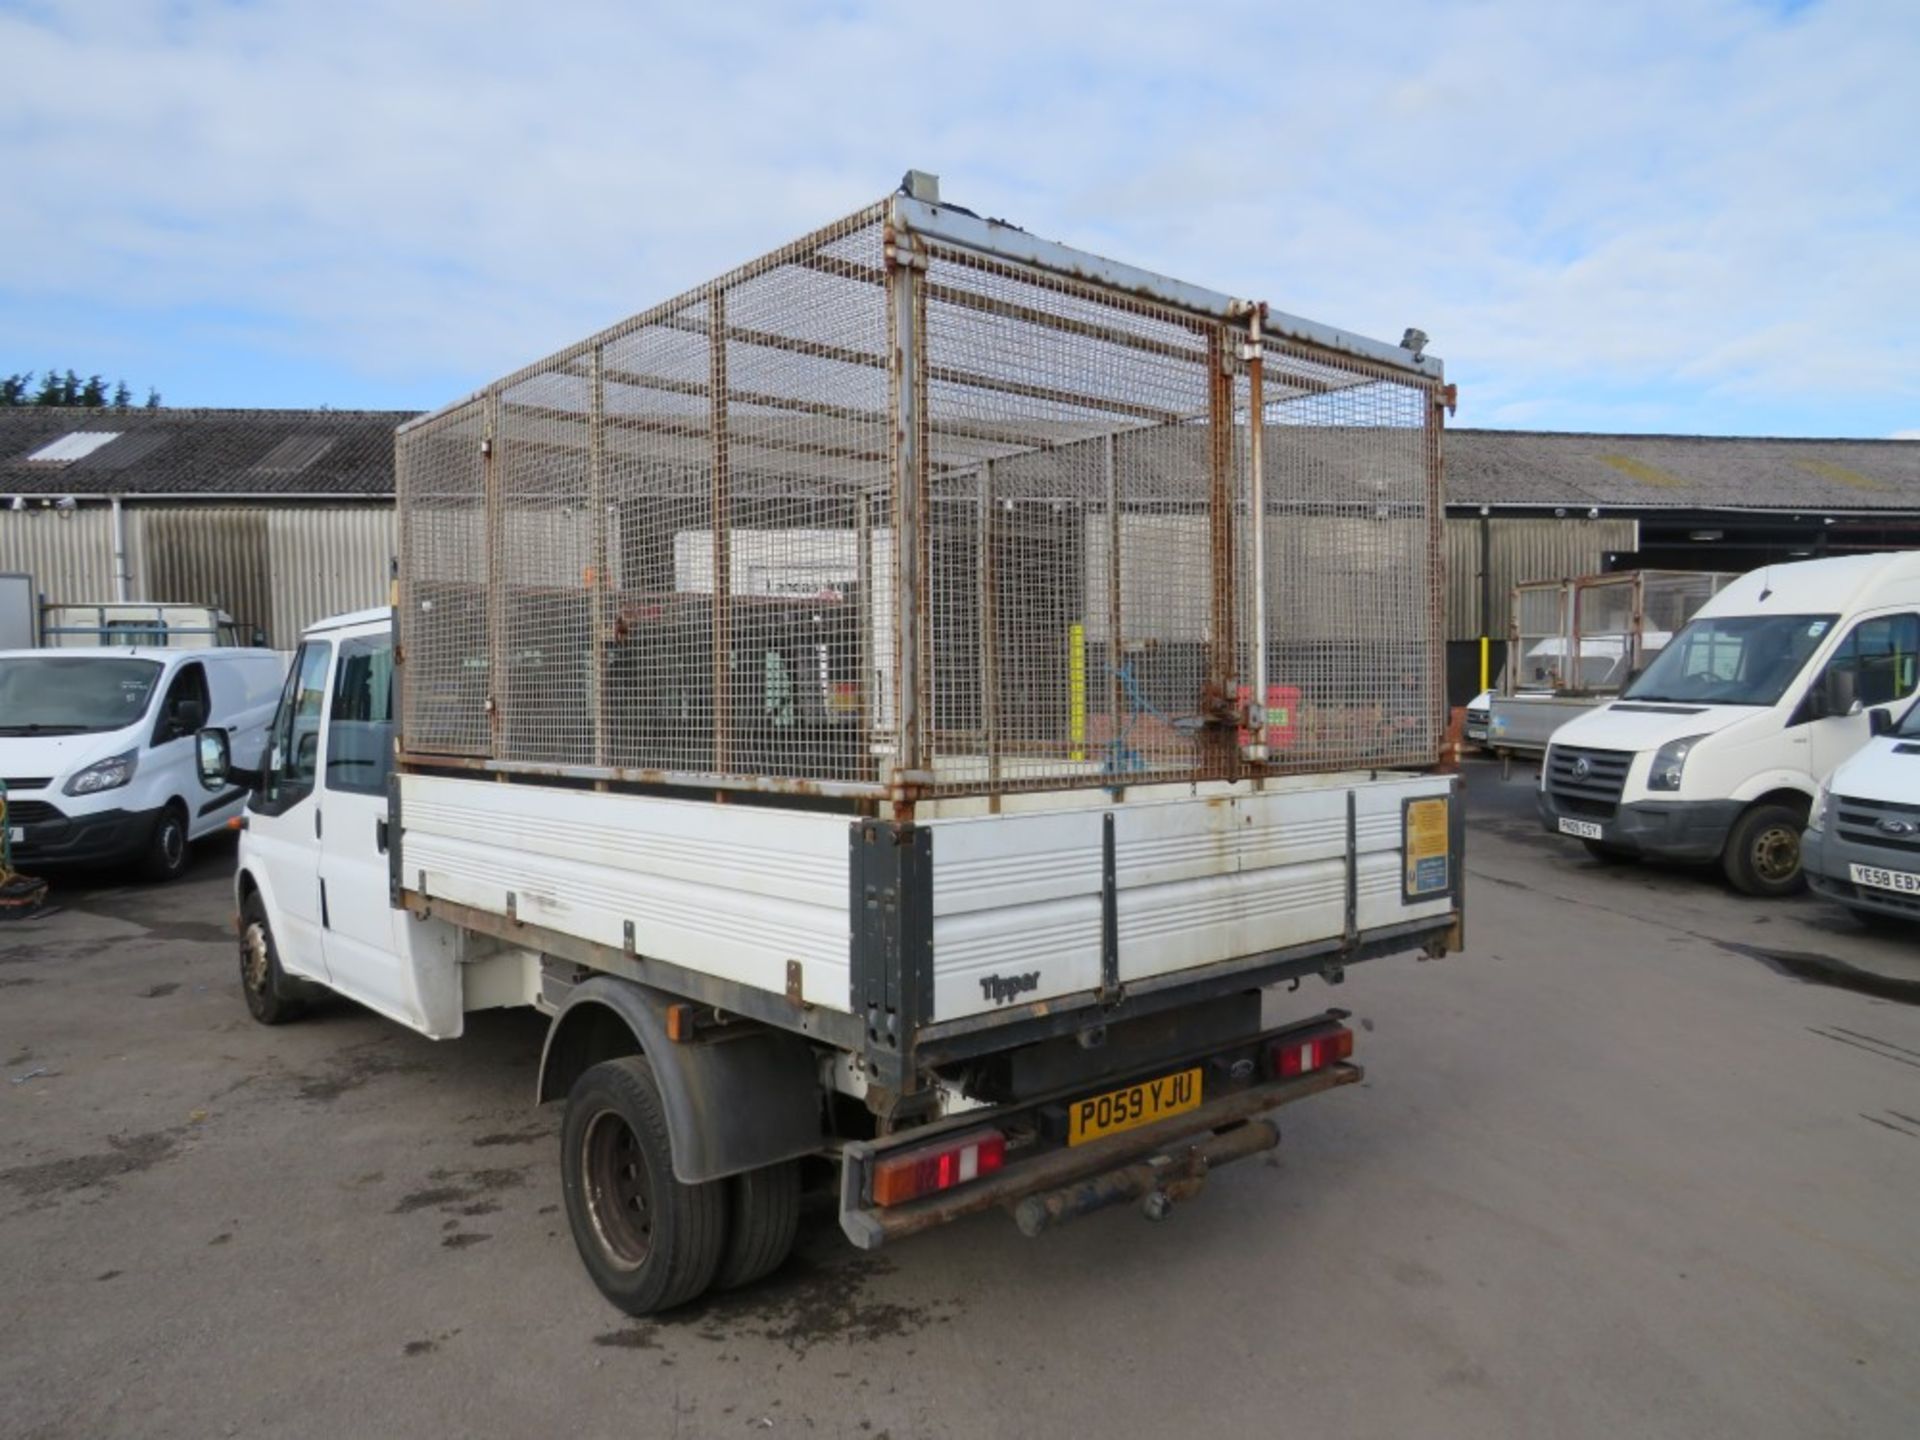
x,y
920,504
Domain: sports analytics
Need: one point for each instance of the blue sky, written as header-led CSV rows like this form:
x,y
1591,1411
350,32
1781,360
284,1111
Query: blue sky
x,y
1691,216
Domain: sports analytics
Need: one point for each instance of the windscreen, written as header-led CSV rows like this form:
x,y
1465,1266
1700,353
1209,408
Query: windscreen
x,y
72,695
1733,660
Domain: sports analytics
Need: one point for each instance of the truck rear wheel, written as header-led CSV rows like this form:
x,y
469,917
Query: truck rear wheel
x,y
648,1241
1763,851
763,1216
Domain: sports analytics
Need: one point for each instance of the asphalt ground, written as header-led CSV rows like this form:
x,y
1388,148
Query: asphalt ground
x,y
1642,1160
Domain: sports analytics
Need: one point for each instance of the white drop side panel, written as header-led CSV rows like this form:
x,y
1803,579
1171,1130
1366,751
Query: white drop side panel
x,y
734,891
1199,880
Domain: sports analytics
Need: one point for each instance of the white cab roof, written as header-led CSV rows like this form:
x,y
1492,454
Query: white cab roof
x,y
378,615
1821,587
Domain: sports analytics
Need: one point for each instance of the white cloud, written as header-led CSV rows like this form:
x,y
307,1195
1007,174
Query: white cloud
x,y
1699,197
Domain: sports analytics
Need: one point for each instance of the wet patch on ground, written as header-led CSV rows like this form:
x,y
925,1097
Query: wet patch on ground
x,y
126,1155
460,1240
156,992
350,1070
1816,969
12,980
463,1192
514,1137
807,1302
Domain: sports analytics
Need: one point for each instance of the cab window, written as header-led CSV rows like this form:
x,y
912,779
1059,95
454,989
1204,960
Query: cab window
x,y
293,752
1879,659
185,707
360,726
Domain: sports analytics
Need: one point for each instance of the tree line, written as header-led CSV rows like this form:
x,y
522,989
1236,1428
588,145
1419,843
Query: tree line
x,y
66,388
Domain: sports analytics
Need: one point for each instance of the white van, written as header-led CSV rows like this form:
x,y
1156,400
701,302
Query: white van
x,y
97,749
1862,845
1717,750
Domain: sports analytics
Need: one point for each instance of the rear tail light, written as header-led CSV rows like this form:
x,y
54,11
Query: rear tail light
x,y
1303,1054
938,1166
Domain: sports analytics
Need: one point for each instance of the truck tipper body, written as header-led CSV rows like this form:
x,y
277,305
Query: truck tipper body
x,y
898,708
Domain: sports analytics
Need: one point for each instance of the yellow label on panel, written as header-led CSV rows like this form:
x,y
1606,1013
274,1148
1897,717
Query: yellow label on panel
x,y
1426,847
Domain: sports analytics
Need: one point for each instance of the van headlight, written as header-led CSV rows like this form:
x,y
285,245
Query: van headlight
x,y
108,774
1670,763
1822,801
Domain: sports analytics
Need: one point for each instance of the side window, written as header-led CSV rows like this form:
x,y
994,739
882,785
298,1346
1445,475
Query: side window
x,y
360,728
185,707
1879,659
293,752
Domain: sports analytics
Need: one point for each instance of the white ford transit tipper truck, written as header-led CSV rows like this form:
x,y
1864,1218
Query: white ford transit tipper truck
x,y
829,696
1716,751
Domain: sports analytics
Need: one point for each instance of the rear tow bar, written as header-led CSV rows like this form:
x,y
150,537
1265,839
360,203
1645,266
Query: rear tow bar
x,y
1157,1182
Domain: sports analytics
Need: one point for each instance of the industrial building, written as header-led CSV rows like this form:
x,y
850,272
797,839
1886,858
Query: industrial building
x,y
283,516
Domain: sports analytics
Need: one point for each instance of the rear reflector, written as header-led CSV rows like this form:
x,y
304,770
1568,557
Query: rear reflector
x,y
1303,1054
938,1166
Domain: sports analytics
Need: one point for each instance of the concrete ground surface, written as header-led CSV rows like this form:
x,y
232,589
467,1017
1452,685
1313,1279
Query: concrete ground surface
x,y
1622,1168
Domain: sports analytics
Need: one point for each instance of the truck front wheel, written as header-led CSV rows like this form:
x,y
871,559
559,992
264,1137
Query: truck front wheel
x,y
648,1241
1763,851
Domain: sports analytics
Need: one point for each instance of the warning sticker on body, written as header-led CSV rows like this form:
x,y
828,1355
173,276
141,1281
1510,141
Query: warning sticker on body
x,y
1428,871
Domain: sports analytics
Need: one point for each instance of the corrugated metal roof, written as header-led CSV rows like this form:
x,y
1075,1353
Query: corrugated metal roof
x,y
202,452
1680,472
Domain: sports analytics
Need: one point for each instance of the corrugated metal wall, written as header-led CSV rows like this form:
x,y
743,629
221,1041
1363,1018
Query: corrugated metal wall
x,y
1522,549
280,567
327,561
69,554
285,566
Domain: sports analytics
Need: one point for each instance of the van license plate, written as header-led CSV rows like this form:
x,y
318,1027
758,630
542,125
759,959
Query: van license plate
x,y
1132,1106
1585,829
1900,880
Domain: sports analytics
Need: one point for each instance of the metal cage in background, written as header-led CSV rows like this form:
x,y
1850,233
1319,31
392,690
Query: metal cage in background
x,y
923,505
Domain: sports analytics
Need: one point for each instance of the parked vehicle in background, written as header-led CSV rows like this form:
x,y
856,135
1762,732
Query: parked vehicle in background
x,y
1862,844
149,624
1717,750
97,750
1581,642
904,804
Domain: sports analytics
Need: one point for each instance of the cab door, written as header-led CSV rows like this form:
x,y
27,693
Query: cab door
x,y
283,816
361,936
1874,665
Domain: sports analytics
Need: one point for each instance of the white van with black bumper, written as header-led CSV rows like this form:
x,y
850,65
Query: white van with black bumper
x,y
1716,751
97,750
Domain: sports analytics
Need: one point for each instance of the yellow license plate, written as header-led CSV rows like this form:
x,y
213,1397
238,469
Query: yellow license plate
x,y
1132,1106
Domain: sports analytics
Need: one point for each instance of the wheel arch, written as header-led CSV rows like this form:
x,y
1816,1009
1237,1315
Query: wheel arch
x,y
733,1103
1791,796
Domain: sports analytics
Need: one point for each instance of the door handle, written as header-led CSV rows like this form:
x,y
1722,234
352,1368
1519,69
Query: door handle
x,y
380,834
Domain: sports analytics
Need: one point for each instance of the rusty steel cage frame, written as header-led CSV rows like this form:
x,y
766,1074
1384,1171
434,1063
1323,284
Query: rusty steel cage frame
x,y
1619,607
923,505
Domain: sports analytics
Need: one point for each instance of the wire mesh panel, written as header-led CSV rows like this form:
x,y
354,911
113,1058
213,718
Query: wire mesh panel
x,y
1352,564
1542,632
1070,622
441,477
879,513
1606,622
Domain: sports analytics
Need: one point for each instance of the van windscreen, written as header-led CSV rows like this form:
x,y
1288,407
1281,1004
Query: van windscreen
x,y
1732,660
73,694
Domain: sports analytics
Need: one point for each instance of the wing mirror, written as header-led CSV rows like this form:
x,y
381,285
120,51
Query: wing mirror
x,y
214,755
1880,721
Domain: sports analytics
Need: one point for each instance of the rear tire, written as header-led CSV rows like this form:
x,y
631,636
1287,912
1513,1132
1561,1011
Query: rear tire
x,y
1609,854
168,849
763,1215
271,997
1763,852
648,1241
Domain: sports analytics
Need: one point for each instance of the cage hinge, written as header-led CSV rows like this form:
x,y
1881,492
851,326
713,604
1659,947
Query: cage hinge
x,y
796,992
1448,396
